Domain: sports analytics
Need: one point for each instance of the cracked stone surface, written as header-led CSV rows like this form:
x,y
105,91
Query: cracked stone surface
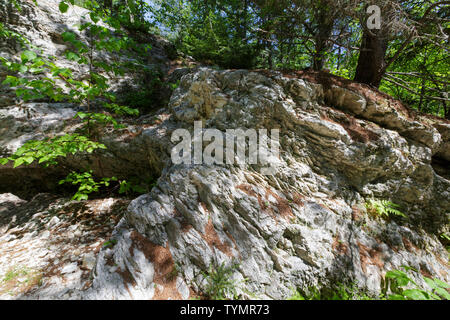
x,y
48,244
305,225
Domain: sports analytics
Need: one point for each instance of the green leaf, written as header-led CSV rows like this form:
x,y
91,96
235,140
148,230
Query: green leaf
x,y
3,161
28,56
18,162
81,115
399,276
10,80
80,197
63,7
443,293
72,56
23,69
94,17
35,70
43,159
415,294
28,160
441,284
430,282
68,36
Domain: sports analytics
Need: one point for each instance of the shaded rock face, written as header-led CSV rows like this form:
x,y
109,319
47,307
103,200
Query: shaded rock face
x,y
305,225
136,151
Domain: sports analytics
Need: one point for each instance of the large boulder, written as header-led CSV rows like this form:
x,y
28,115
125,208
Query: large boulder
x,y
306,224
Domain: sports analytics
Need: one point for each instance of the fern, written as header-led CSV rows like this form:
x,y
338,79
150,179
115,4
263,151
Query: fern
x,y
219,282
384,208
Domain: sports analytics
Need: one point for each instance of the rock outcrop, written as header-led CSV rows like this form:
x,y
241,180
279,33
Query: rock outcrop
x,y
306,224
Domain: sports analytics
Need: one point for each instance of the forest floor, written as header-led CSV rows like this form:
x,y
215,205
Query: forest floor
x,y
48,245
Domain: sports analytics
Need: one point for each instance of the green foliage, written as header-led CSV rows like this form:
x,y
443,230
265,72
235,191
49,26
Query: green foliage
x,y
311,294
48,150
72,90
87,184
219,285
37,88
212,32
384,208
17,5
63,7
35,77
14,273
445,236
399,286
297,296
101,119
122,110
129,187
9,34
174,85
136,186
322,34
340,292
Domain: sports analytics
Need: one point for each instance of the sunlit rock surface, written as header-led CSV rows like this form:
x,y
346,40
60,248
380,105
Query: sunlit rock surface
x,y
305,225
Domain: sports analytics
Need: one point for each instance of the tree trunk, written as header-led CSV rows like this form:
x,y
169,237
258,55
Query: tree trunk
x,y
319,54
371,60
242,21
269,54
322,34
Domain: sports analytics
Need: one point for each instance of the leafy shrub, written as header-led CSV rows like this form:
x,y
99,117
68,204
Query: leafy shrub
x,y
399,286
48,150
43,81
87,184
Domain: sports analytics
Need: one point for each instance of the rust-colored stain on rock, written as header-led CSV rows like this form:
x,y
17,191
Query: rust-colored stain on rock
x,y
370,256
163,264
